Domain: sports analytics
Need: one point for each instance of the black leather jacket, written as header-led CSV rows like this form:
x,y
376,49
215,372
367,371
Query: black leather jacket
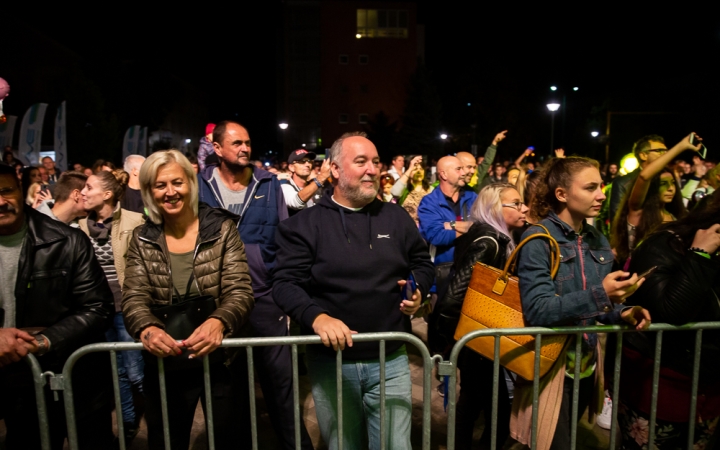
x,y
61,286
683,289
470,248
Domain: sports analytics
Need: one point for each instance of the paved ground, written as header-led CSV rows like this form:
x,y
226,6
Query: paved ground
x,y
589,438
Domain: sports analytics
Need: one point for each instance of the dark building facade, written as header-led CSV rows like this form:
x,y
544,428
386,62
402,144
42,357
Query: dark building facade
x,y
343,63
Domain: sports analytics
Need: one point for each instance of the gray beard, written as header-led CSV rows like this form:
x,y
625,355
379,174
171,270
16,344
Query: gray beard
x,y
356,194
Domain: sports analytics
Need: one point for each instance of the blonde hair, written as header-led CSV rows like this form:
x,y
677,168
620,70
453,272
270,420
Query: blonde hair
x,y
488,209
148,175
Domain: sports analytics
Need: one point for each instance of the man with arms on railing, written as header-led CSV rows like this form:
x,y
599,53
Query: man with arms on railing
x,y
55,299
340,269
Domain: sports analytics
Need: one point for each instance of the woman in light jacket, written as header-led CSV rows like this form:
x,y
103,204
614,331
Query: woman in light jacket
x,y
187,244
110,228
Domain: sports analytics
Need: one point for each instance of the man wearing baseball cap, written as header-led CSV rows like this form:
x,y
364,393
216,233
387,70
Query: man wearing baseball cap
x,y
300,190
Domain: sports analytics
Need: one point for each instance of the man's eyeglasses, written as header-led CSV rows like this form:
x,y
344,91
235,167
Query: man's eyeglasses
x,y
514,205
304,161
661,151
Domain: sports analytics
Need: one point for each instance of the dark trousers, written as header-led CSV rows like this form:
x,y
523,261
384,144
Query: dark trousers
x,y
19,409
230,404
561,440
274,367
476,391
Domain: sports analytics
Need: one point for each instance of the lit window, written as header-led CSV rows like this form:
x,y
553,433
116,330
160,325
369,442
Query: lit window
x,y
344,59
363,59
343,118
382,23
363,118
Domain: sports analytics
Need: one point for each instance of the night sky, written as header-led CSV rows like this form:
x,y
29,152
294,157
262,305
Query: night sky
x,y
502,62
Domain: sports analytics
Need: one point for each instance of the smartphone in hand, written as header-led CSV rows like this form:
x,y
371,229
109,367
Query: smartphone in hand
x,y
409,288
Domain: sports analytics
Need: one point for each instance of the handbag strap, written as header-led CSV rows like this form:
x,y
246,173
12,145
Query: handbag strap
x,y
497,246
554,253
187,289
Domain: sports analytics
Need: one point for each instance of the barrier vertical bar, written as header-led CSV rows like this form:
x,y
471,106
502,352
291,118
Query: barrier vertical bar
x,y
251,388
694,389
163,403
296,395
536,390
655,385
338,380
118,400
39,382
496,386
382,394
576,390
616,389
209,423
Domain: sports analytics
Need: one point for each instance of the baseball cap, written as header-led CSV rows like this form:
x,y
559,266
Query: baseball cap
x,y
300,154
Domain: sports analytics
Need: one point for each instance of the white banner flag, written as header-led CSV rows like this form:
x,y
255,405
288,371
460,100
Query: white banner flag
x,y
31,134
142,142
130,141
61,139
7,131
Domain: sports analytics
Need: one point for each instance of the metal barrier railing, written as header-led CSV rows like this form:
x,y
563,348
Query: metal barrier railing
x,y
449,368
294,342
445,368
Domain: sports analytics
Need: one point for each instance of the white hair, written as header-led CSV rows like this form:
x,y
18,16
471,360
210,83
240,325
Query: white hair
x,y
133,162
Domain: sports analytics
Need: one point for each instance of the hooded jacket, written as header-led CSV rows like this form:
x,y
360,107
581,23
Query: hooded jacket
x,y
263,209
346,264
219,266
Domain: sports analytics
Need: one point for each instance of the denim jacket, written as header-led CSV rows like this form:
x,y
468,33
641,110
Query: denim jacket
x,y
576,296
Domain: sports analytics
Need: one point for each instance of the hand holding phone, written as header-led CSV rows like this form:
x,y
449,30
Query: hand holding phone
x,y
647,273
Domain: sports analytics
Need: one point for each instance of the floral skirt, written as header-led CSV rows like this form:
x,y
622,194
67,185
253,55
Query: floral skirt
x,y
635,428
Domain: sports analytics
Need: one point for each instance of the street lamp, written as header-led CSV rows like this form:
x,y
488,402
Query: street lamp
x,y
552,107
443,136
594,134
283,126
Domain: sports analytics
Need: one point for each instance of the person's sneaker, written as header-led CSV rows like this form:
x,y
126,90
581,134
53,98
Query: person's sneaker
x,y
604,420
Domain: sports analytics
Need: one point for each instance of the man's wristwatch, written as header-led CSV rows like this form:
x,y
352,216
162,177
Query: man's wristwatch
x,y
452,224
42,345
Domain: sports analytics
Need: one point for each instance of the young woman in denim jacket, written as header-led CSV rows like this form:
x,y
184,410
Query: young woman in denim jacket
x,y
584,291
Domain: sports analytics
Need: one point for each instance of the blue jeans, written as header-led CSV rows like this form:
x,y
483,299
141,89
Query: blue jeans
x,y
130,367
361,400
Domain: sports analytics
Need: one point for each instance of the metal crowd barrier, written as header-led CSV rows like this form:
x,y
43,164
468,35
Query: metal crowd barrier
x,y
294,341
445,368
449,368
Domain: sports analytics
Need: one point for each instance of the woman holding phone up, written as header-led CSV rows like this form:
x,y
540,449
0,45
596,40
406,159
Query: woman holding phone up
x,y
584,290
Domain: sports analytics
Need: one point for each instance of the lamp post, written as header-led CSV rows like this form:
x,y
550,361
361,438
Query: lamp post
x,y
552,107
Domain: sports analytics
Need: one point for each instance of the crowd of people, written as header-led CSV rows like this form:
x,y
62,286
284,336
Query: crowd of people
x,y
344,245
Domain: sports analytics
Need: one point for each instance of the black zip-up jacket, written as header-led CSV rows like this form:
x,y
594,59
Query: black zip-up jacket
x,y
347,264
470,248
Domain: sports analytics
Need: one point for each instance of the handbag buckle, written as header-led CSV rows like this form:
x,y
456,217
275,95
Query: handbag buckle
x,y
499,287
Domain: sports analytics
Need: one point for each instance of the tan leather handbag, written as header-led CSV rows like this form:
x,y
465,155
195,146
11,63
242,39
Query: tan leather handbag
x,y
493,301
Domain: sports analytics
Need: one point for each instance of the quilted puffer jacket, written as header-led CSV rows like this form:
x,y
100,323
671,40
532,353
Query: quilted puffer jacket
x,y
470,248
220,268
